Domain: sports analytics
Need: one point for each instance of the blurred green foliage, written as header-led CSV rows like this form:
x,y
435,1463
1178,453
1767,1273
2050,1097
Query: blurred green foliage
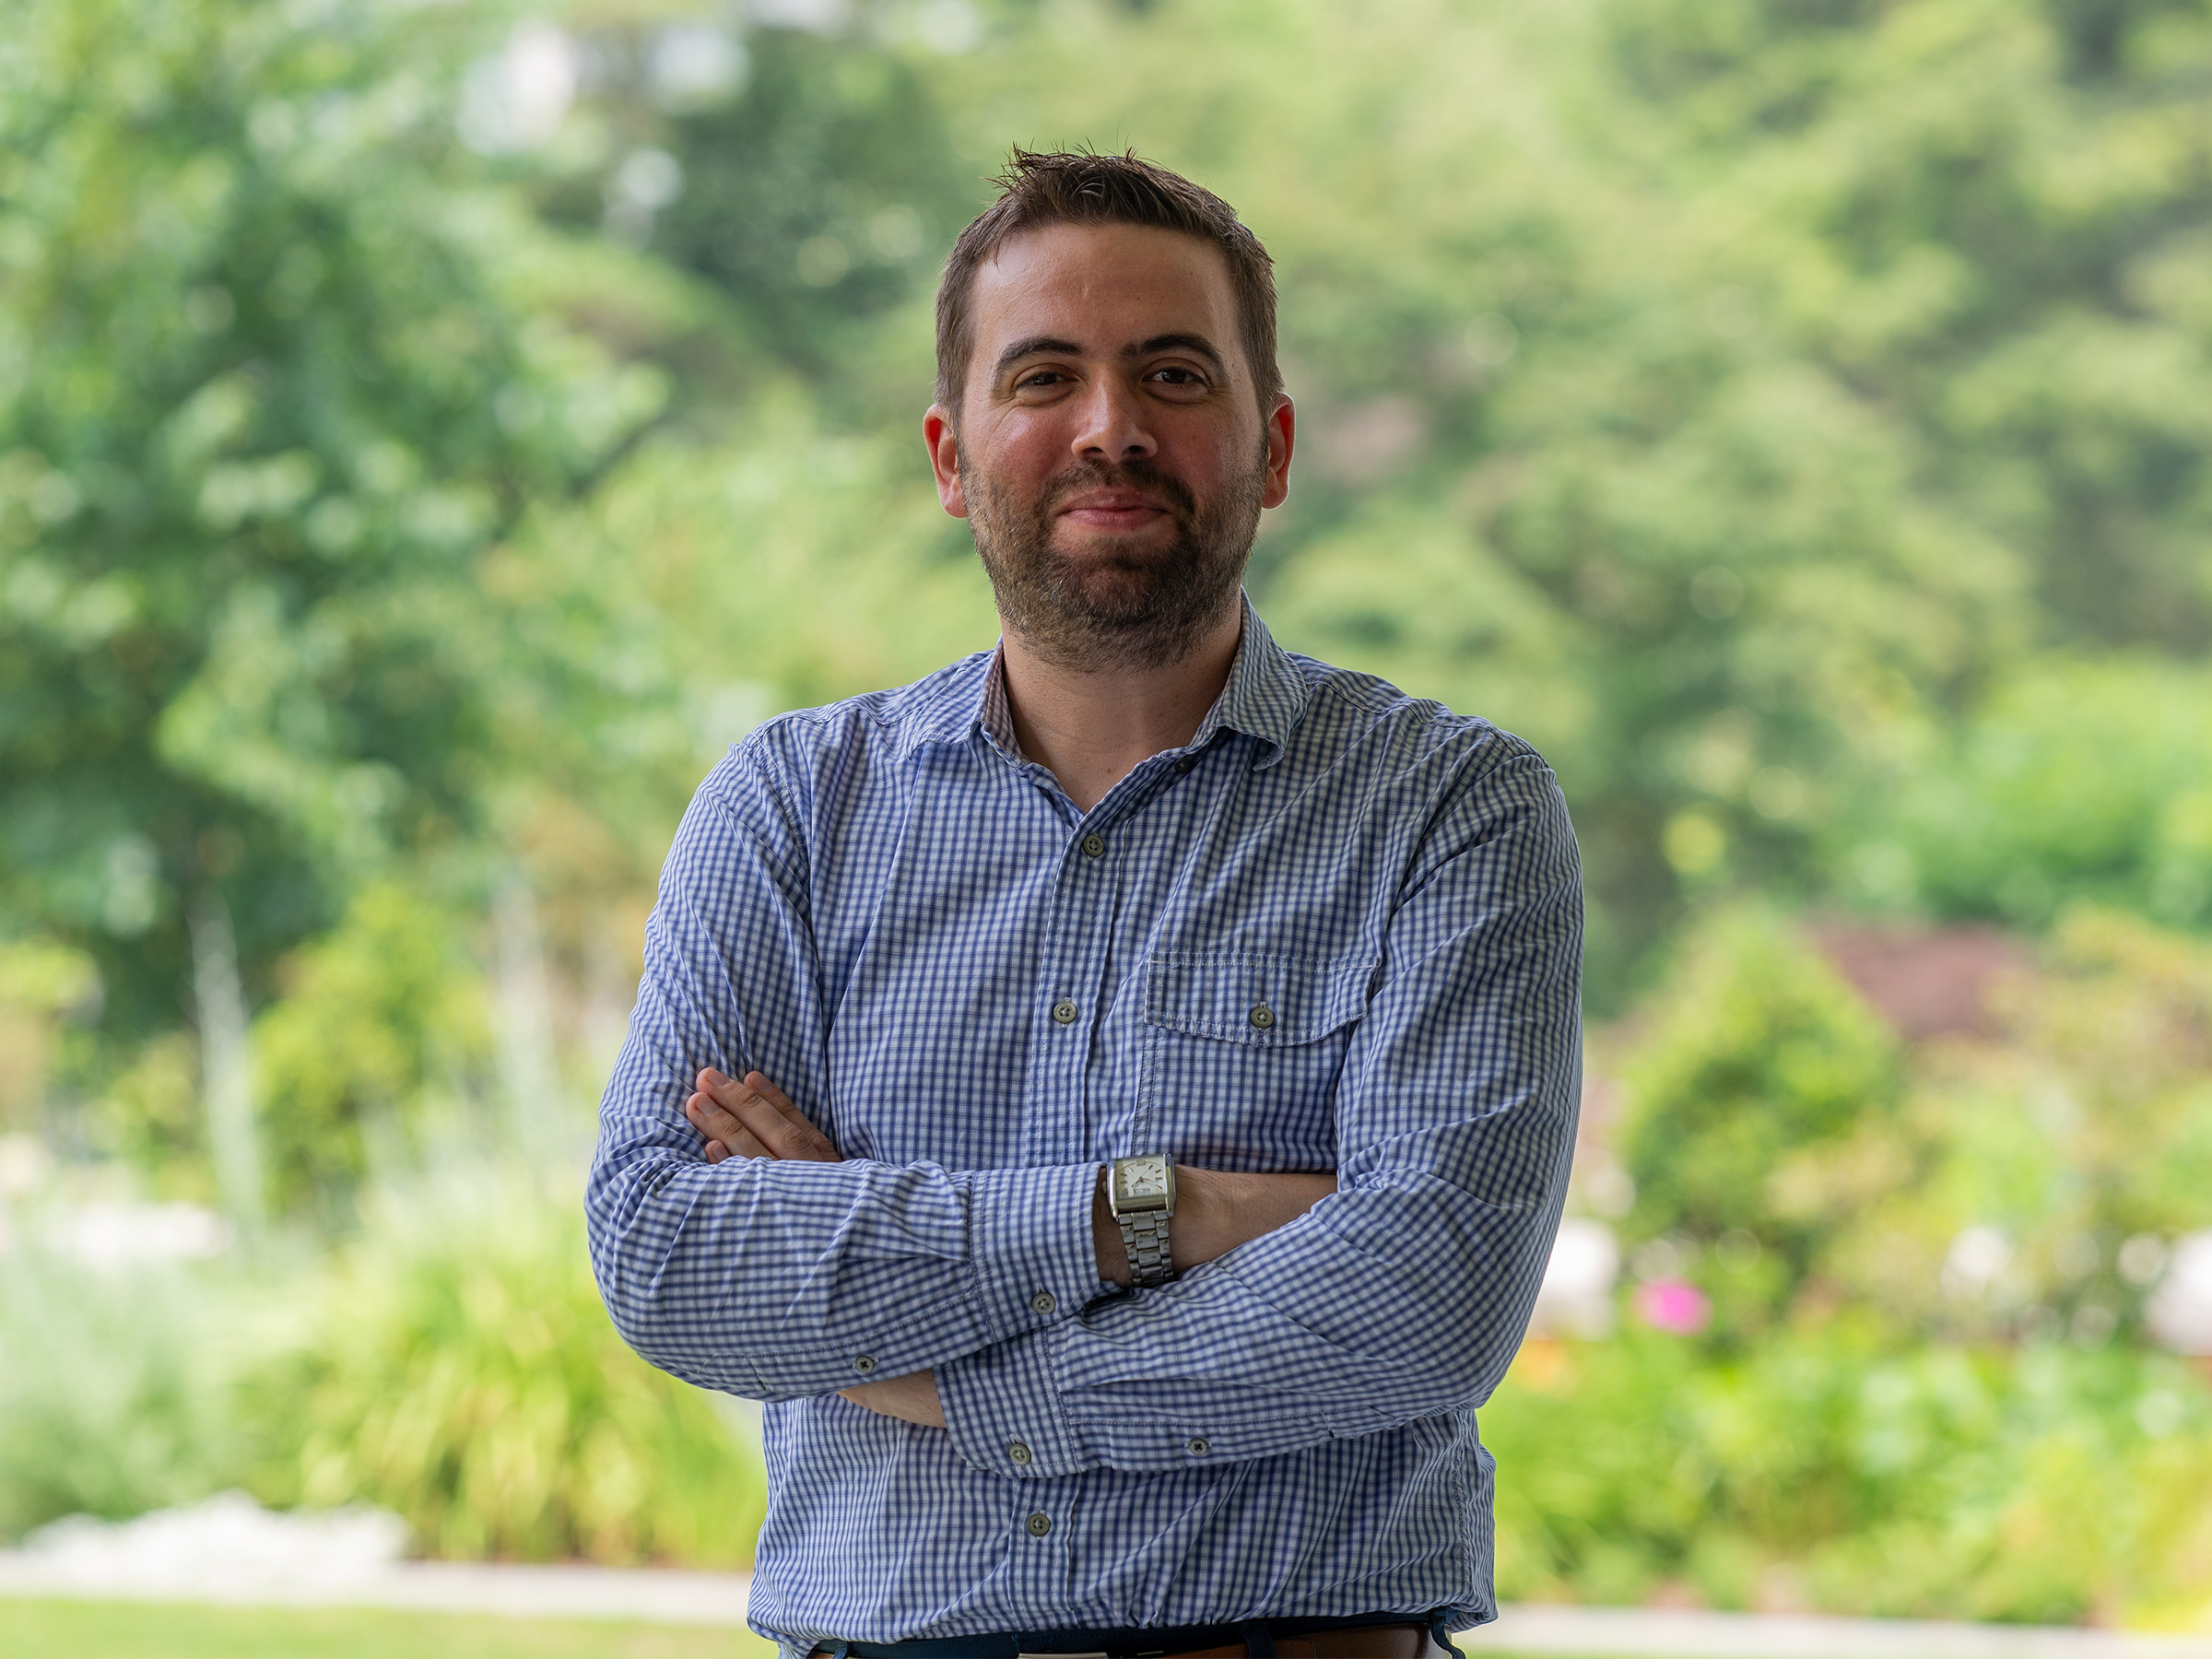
x,y
452,1364
459,1370
1923,1389
380,1017
274,379
1824,1470
1794,1158
2074,778
1764,1087
113,1395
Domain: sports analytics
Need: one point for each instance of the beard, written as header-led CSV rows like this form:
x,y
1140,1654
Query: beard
x,y
1114,609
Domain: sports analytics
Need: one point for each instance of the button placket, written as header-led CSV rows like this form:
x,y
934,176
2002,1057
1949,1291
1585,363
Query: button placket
x,y
1070,967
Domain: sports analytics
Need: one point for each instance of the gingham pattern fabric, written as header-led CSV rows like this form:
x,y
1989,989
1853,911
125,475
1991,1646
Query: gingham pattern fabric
x,y
1340,930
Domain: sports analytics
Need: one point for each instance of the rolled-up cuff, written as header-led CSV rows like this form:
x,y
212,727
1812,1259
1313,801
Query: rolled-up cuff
x,y
1029,1239
1004,1414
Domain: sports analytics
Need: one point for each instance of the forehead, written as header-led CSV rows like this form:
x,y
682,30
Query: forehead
x,y
1104,287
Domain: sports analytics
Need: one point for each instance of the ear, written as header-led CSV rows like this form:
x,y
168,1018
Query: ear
x,y
1282,436
945,459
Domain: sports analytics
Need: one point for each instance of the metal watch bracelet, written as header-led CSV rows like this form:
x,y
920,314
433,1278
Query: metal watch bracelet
x,y
1145,1237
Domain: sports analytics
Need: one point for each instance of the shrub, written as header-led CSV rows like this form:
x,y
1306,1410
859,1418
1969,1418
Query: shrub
x,y
458,1369
1760,1089
377,1015
1822,1470
112,1397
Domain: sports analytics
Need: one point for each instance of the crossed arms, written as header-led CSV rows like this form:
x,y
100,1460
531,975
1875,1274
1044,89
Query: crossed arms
x,y
1397,1292
1217,1209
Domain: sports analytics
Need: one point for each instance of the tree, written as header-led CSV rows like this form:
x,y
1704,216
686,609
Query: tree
x,y
280,368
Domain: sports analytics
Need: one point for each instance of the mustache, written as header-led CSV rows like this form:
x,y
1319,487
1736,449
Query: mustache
x,y
1139,474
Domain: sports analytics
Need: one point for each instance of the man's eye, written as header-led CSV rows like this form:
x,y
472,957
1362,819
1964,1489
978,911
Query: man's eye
x,y
1174,376
1041,378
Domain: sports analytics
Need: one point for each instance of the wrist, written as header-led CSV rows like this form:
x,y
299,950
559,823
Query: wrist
x,y
1140,1192
1106,1236
1197,1209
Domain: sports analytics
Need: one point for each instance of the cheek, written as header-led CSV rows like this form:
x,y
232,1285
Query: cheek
x,y
1029,439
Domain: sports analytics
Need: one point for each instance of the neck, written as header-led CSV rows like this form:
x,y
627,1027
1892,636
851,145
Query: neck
x,y
1088,727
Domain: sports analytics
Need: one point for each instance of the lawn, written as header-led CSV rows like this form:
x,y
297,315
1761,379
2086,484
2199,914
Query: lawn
x,y
111,1629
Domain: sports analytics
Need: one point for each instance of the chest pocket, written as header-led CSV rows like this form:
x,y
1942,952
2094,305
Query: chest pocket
x,y
1242,1052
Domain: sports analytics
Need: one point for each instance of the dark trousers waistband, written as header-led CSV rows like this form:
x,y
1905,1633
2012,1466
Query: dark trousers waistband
x,y
1137,1643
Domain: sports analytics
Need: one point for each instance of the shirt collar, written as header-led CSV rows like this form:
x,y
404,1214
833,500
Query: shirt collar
x,y
1264,698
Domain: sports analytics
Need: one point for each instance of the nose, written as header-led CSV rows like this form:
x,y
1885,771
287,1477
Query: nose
x,y
1111,424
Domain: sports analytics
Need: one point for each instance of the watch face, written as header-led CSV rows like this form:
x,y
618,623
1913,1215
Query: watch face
x,y
1141,1181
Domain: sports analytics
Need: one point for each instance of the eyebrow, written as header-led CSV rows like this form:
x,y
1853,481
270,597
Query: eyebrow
x,y
1197,345
1035,346
1053,346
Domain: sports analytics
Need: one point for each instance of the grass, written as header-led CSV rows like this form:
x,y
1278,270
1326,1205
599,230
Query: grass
x,y
109,1630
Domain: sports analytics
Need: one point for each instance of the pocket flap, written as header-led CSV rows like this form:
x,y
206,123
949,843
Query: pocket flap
x,y
1242,997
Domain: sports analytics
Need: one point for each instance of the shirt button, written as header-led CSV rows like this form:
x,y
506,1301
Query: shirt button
x,y
1263,1017
1198,1448
865,1364
1044,1301
1018,1451
1183,763
1093,844
1039,1524
1064,1011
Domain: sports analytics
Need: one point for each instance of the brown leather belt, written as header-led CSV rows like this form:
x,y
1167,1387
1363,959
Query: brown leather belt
x,y
1368,1642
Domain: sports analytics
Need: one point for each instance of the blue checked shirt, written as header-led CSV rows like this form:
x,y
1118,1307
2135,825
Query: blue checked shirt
x,y
1341,929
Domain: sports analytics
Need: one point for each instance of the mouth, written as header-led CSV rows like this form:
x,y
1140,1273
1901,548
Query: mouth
x,y
1114,511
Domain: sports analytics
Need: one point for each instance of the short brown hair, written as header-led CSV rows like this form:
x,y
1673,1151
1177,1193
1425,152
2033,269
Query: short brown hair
x,y
1079,188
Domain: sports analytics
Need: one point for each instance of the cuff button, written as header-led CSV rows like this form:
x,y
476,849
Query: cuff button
x,y
1018,1451
1198,1448
1044,1301
865,1364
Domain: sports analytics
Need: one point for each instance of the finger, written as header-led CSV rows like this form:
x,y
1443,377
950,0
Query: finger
x,y
709,1119
744,1145
719,1126
768,1091
739,1145
785,1135
765,1088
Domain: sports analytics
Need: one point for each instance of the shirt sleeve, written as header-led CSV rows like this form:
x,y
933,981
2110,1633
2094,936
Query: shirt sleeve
x,y
775,1279
1404,1294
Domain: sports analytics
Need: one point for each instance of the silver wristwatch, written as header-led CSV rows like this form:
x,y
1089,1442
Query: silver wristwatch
x,y
1141,1193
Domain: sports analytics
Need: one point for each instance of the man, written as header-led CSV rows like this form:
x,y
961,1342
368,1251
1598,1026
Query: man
x,y
952,991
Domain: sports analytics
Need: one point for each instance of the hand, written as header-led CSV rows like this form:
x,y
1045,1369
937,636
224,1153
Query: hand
x,y
910,1399
753,1118
1216,1210
750,1117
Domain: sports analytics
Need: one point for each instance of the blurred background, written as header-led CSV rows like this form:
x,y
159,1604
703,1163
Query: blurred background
x,y
432,433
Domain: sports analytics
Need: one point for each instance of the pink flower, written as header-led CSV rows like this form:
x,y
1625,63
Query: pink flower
x,y
1670,1305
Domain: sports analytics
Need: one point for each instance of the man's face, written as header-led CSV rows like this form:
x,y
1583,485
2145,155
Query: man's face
x,y
1110,453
